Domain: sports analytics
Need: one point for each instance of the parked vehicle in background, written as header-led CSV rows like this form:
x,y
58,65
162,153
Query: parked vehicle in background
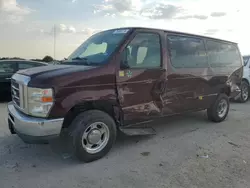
x,y
119,79
245,80
10,67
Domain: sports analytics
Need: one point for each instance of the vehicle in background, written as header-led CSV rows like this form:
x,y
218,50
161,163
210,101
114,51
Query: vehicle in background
x,y
10,67
245,80
120,79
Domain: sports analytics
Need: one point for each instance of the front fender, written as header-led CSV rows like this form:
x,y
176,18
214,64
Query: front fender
x,y
75,96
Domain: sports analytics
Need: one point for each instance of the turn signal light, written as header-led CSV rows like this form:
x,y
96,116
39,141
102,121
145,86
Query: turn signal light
x,y
47,99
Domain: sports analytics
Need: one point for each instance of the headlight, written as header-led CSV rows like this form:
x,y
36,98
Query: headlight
x,y
40,101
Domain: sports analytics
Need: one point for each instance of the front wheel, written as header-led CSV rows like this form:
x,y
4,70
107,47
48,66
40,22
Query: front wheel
x,y
219,110
94,133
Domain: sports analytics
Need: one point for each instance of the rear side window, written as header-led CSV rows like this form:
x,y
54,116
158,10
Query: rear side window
x,y
222,54
187,52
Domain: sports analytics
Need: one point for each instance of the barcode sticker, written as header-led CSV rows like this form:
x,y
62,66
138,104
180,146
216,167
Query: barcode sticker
x,y
121,31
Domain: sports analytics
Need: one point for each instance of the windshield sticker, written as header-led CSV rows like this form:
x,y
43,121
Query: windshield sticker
x,y
121,73
121,31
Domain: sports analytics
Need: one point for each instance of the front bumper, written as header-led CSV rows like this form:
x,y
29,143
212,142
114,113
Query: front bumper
x,y
32,129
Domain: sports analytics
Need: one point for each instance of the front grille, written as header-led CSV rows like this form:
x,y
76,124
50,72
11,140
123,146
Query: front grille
x,y
19,91
15,92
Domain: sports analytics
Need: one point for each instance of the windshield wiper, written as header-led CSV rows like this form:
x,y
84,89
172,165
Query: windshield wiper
x,y
83,61
80,58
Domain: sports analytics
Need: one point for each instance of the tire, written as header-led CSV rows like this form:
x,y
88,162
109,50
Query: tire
x,y
86,129
244,92
214,113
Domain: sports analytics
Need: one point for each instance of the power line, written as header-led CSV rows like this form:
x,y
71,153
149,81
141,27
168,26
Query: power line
x,y
54,41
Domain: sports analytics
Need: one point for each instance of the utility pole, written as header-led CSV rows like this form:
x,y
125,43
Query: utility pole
x,y
54,41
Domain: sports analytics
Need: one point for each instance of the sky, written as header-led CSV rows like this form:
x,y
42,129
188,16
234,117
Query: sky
x,y
27,26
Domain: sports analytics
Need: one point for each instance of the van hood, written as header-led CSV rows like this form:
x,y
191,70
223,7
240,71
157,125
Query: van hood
x,y
47,76
55,70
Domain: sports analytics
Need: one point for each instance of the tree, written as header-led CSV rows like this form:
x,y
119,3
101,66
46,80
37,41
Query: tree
x,y
47,59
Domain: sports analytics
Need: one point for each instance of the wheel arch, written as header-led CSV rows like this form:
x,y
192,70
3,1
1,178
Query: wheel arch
x,y
110,107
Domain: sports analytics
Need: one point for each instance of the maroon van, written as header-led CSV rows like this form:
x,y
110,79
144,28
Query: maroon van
x,y
120,79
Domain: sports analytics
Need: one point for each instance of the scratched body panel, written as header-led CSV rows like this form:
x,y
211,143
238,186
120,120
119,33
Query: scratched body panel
x,y
187,85
150,93
137,95
139,92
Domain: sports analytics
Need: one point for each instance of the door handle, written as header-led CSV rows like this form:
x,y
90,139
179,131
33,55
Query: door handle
x,y
7,78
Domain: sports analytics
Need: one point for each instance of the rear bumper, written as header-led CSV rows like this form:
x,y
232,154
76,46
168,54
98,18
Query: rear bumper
x,y
31,129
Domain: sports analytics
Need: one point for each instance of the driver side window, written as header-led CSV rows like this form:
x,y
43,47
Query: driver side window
x,y
144,51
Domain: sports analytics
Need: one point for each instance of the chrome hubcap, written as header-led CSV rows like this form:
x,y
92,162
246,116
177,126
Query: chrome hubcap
x,y
244,91
222,108
95,137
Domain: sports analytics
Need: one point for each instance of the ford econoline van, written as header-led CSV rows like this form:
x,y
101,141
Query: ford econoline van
x,y
119,80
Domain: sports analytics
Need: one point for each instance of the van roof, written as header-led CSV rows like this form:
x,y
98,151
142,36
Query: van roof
x,y
177,32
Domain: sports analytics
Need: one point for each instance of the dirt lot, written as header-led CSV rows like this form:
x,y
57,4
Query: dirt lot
x,y
188,151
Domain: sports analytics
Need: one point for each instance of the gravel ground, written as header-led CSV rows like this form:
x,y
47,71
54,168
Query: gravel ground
x,y
188,151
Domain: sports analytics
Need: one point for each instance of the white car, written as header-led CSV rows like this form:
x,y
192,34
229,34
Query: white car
x,y
245,79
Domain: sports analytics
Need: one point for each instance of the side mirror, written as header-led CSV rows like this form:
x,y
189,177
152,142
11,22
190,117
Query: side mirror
x,y
124,65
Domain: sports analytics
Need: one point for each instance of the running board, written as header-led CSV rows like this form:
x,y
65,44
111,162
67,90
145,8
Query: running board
x,y
138,131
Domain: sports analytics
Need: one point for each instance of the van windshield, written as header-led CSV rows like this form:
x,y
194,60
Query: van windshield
x,y
245,59
98,48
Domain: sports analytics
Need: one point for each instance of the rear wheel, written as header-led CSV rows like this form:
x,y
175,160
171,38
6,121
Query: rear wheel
x,y
94,133
219,110
244,92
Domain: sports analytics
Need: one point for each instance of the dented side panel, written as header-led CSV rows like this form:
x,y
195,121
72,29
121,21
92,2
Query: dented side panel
x,y
139,95
142,92
146,94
